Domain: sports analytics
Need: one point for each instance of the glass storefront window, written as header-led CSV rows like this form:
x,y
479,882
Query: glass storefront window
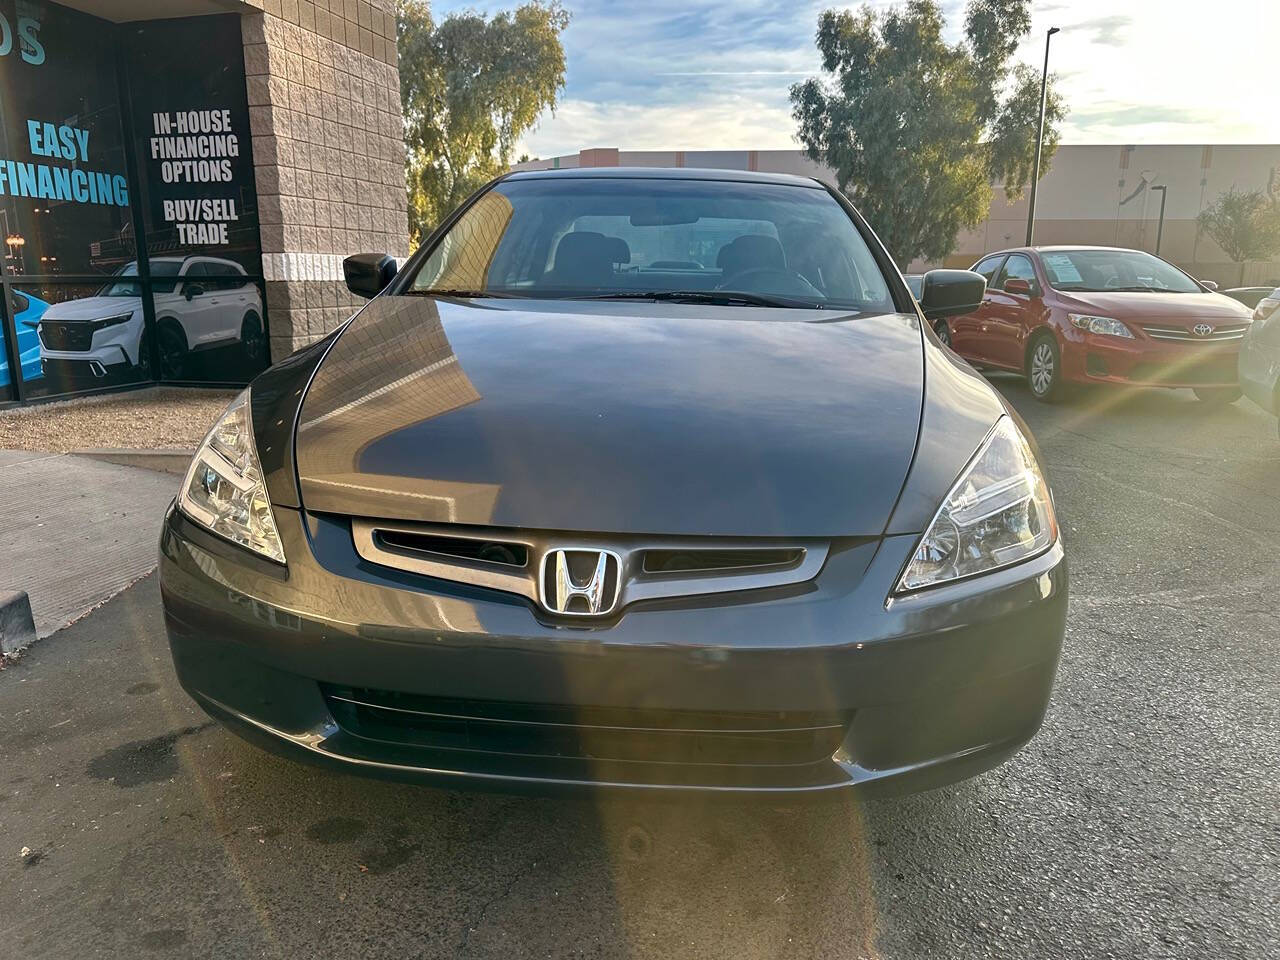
x,y
88,310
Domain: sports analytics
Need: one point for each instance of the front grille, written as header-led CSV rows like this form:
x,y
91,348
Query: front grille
x,y
598,734
687,560
1221,333
507,554
645,569
56,335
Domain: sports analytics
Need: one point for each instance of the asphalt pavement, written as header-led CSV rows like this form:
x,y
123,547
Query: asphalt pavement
x,y
1144,821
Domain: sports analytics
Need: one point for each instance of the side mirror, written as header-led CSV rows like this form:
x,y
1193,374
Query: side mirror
x,y
190,290
368,274
1209,285
951,293
1018,285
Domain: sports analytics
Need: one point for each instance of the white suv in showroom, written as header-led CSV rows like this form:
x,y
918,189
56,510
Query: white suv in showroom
x,y
200,303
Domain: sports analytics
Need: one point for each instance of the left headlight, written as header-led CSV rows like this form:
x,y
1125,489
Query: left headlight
x,y
1107,326
998,513
223,490
111,321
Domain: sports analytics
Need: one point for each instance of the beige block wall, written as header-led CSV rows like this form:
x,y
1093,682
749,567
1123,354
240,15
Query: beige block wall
x,y
328,149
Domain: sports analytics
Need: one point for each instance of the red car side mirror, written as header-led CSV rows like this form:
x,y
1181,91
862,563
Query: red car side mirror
x,y
1018,285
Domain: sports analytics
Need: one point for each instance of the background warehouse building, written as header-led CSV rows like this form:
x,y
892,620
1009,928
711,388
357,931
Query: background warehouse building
x,y
1091,195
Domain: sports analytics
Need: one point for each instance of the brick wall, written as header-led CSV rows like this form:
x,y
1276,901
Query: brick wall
x,y
328,150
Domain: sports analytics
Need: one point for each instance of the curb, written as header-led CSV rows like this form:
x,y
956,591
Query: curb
x,y
17,628
168,460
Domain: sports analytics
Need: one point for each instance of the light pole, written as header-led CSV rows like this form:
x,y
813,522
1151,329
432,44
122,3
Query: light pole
x,y
1035,170
1164,195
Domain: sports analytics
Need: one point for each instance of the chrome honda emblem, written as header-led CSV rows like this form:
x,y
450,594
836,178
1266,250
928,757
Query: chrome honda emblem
x,y
580,583
1202,329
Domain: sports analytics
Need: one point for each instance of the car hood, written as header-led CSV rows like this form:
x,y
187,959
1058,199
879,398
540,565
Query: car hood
x,y
614,417
92,308
1164,306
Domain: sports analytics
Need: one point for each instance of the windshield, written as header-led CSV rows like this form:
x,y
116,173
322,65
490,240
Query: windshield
x,y
1097,270
164,278
606,238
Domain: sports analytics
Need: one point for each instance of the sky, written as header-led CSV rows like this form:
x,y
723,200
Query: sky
x,y
691,74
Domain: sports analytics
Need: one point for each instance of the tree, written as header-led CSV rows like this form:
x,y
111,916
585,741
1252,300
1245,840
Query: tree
x,y
470,88
1244,223
917,129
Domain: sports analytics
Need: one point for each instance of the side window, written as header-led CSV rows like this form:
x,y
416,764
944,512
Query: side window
x,y
988,268
197,273
226,274
1017,267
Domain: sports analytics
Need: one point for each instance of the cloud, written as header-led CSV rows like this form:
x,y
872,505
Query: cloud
x,y
1109,31
710,74
724,122
1116,114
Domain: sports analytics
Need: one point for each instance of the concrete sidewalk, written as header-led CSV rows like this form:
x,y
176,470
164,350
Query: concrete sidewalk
x,y
75,531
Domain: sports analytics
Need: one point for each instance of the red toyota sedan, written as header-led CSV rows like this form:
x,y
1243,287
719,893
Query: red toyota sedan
x,y
1068,315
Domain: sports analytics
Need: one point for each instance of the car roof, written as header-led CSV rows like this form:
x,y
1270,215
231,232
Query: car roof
x,y
665,173
1060,247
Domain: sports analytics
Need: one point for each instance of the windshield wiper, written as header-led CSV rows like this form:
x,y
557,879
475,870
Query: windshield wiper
x,y
728,298
458,294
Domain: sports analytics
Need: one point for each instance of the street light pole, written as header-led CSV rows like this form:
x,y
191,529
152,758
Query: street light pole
x,y
1164,195
1035,170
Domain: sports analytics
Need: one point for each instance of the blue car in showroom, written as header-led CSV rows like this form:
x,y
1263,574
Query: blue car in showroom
x,y
27,309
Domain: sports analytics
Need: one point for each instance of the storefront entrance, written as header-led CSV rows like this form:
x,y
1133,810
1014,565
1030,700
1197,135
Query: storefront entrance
x,y
128,211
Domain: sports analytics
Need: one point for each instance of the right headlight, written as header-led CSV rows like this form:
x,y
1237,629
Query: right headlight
x,y
223,490
998,513
1107,326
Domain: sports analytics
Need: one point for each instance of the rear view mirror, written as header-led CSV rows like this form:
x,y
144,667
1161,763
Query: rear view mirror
x,y
368,274
1209,285
662,218
951,293
190,290
1019,286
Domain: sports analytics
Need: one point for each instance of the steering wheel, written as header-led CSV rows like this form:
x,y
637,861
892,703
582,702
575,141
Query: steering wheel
x,y
786,283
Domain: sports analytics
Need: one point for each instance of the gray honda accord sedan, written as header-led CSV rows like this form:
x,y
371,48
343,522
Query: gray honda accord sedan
x,y
628,478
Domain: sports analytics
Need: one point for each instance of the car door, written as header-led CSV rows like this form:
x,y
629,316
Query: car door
x,y
195,306
967,337
1011,315
230,298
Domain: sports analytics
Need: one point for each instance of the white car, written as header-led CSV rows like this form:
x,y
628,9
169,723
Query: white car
x,y
1260,355
200,302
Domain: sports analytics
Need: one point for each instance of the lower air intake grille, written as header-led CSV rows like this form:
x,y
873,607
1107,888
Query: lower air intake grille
x,y
1216,371
587,733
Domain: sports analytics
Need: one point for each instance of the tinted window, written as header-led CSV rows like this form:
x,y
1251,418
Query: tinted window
x,y
1017,267
226,276
596,237
1105,269
988,268
164,275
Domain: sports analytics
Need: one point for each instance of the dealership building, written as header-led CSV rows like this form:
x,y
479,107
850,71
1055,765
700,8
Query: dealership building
x,y
180,180
1091,195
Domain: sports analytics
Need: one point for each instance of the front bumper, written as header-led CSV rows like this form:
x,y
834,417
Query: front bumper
x,y
1093,358
113,351
338,661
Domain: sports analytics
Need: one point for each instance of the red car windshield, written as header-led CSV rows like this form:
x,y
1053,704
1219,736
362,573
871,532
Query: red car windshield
x,y
1095,271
